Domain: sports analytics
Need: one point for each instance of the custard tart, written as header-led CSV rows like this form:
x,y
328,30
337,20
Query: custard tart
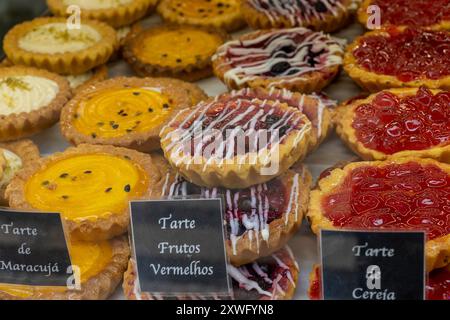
x,y
220,14
30,101
82,81
89,185
101,264
235,141
117,13
399,57
48,43
126,112
182,52
399,193
398,123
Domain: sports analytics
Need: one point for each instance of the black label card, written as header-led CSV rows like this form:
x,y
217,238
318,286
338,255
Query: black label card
x,y
33,249
373,265
179,246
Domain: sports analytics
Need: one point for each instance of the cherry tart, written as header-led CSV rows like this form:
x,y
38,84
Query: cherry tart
x,y
259,220
270,278
398,123
297,59
401,193
325,15
399,57
235,141
412,13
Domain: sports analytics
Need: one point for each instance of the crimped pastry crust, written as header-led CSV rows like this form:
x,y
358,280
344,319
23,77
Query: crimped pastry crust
x,y
119,16
437,250
101,228
98,287
99,74
77,62
24,124
182,93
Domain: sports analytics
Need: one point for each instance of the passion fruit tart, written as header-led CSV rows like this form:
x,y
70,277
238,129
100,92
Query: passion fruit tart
x,y
89,185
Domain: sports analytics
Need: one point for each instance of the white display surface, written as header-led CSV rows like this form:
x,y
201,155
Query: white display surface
x,y
304,243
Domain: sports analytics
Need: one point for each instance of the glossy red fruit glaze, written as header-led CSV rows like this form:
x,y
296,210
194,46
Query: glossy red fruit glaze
x,y
396,196
438,287
390,124
409,55
414,13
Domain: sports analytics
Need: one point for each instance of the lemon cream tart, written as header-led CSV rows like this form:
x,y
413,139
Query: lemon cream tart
x,y
30,101
127,112
101,264
48,43
89,185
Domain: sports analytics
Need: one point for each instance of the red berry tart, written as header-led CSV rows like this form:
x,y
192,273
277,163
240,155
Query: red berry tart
x,y
398,123
401,193
236,141
400,57
297,59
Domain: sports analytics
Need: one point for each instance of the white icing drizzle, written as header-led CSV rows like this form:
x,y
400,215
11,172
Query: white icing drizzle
x,y
279,55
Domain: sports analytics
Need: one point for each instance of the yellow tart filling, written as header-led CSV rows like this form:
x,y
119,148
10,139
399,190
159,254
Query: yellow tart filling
x,y
12,164
181,47
203,9
91,257
88,186
97,4
53,38
25,93
117,112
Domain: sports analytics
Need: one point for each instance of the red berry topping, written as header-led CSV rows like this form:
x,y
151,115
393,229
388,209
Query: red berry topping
x,y
438,287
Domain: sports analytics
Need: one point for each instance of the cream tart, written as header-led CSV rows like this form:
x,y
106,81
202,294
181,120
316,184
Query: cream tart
x,y
320,15
30,101
89,185
220,14
398,123
48,43
101,264
82,81
117,13
126,112
259,220
400,193
235,141
182,52
399,57
270,278
297,59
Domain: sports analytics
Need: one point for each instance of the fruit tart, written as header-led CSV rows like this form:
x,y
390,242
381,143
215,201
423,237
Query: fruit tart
x,y
13,156
48,43
220,14
235,141
259,220
297,59
398,123
82,81
182,52
409,13
320,15
117,13
400,57
30,101
126,112
270,278
400,193
101,264
89,185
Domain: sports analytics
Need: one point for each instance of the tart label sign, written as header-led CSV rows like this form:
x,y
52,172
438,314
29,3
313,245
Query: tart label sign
x,y
179,246
366,265
33,249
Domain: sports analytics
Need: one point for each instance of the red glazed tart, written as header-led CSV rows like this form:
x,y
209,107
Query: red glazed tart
x,y
325,15
235,141
297,59
412,13
400,57
401,193
271,278
259,220
398,123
